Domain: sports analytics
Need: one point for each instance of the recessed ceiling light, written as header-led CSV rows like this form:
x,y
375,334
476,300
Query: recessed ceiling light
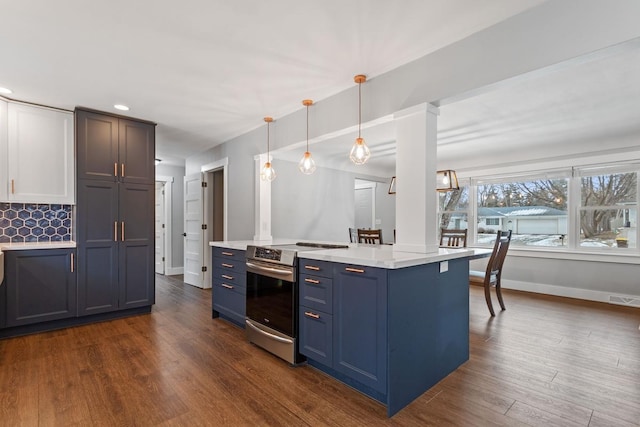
x,y
5,90
121,107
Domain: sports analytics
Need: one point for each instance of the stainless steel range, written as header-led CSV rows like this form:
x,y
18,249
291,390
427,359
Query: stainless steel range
x,y
272,297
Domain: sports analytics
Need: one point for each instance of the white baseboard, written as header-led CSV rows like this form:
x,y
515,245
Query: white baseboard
x,y
174,271
563,291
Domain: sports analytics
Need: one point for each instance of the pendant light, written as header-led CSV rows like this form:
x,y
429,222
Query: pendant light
x,y
447,180
359,152
307,166
268,174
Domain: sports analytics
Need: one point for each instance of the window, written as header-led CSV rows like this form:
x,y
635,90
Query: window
x,y
608,209
533,208
452,208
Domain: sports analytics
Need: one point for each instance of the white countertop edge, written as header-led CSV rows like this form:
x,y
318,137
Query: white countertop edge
x,y
387,259
380,256
36,245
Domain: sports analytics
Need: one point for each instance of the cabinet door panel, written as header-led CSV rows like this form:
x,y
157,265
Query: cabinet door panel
x,y
359,324
137,151
229,303
136,248
40,155
4,183
316,335
40,286
98,232
97,146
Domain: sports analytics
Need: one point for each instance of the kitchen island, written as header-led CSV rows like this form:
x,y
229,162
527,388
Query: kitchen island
x,y
389,324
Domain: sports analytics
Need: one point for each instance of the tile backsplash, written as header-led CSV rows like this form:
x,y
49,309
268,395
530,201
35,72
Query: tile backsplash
x,y
32,222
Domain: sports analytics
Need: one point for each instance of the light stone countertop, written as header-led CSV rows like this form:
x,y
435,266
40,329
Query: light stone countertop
x,y
36,245
380,256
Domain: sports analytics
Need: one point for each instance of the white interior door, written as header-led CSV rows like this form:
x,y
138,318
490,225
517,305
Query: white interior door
x,y
160,228
193,220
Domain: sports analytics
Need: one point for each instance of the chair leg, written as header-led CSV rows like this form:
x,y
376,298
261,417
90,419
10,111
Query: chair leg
x,y
499,294
487,296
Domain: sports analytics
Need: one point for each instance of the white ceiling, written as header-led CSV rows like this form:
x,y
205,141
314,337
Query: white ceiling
x,y
209,70
580,105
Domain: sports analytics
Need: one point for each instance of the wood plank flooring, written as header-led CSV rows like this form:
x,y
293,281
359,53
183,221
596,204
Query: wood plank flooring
x,y
544,361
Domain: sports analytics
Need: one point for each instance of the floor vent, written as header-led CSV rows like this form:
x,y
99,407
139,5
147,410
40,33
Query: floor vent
x,y
617,299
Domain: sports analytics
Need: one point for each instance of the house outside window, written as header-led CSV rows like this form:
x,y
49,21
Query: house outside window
x,y
533,207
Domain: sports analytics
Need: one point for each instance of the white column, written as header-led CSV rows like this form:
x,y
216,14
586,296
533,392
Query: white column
x,y
416,211
262,225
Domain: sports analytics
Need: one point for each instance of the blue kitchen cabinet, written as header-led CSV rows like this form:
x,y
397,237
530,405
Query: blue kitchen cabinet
x,y
229,285
114,148
390,333
360,324
40,286
115,213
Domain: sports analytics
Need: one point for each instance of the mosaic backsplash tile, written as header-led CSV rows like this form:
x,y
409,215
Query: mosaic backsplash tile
x,y
30,222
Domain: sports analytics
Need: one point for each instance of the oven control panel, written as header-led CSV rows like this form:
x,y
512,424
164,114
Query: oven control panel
x,y
267,254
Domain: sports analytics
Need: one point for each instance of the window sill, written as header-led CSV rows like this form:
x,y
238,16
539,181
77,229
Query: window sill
x,y
618,256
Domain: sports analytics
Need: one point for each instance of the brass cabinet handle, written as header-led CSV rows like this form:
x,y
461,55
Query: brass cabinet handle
x,y
122,171
224,285
225,276
354,270
13,187
115,231
227,253
122,231
315,282
312,315
227,265
72,262
312,267
115,169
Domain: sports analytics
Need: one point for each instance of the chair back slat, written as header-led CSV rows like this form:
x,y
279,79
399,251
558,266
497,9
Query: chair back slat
x,y
453,238
370,236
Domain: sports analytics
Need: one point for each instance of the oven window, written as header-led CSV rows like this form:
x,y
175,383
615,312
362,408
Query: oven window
x,y
270,302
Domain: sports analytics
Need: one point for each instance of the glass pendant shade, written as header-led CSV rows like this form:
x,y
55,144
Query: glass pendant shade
x,y
307,166
267,173
359,152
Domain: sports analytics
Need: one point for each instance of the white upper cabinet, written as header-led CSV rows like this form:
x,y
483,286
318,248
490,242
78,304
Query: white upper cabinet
x,y
40,155
3,150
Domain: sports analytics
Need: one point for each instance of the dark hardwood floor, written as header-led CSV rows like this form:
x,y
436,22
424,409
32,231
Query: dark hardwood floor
x,y
544,361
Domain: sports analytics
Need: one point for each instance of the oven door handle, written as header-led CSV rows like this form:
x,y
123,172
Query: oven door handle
x,y
272,336
267,270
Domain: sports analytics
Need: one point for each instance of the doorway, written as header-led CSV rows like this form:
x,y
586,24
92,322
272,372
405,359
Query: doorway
x,y
160,228
205,220
365,204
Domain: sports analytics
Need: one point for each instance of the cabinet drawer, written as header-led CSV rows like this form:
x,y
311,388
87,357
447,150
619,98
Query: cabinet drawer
x,y
230,264
230,254
316,292
317,268
229,302
316,336
235,286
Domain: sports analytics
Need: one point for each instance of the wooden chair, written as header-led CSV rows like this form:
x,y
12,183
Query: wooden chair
x,y
452,238
370,236
492,275
353,235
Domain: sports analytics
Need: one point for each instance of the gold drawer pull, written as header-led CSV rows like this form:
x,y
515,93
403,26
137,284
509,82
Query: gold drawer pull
x,y
13,187
224,285
312,267
227,265
115,231
227,253
312,315
122,170
115,169
354,270
315,282
72,262
226,276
